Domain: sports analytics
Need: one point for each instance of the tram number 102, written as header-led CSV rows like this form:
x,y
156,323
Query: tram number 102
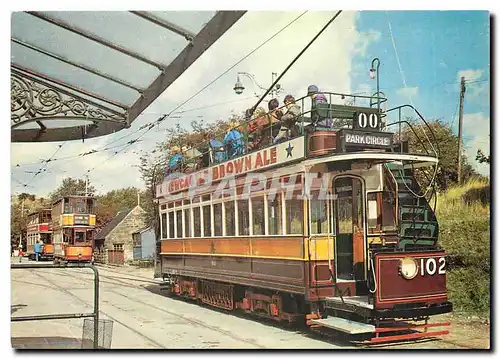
x,y
429,266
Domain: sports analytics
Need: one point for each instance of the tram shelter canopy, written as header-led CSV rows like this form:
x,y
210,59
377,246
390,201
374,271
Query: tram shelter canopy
x,y
77,75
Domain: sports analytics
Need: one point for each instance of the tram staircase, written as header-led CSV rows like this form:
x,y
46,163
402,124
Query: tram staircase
x,y
418,226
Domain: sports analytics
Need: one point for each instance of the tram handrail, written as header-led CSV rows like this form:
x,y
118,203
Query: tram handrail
x,y
94,315
243,124
438,152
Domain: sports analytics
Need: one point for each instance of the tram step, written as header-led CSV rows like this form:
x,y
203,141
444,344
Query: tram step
x,y
421,241
345,325
406,179
409,213
418,229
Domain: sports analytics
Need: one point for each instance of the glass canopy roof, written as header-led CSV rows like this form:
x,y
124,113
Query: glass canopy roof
x,y
79,75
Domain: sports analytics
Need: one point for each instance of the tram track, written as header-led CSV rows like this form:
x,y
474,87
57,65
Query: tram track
x,y
149,305
66,291
329,337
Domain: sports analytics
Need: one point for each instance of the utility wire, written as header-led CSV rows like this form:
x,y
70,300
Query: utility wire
x,y
151,125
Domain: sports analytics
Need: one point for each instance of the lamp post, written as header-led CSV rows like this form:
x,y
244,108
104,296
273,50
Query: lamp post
x,y
374,73
239,88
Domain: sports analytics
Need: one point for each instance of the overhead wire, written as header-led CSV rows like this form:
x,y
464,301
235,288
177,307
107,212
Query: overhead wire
x,y
162,118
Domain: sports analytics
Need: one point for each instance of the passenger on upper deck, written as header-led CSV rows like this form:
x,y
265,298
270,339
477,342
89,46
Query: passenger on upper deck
x,y
175,161
274,118
317,97
289,128
234,141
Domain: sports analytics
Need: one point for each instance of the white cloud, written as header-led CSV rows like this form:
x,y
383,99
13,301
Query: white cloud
x,y
364,39
477,92
327,63
470,75
476,133
409,92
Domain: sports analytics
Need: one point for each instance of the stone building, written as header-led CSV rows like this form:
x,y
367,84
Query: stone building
x,y
114,242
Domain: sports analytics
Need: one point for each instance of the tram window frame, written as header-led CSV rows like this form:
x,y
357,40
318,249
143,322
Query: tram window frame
x,y
218,219
186,212
231,223
373,214
271,203
243,210
206,209
315,202
299,201
171,224
262,225
197,221
164,225
179,222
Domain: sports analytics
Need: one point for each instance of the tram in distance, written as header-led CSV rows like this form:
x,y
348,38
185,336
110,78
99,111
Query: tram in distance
x,y
328,226
73,226
39,228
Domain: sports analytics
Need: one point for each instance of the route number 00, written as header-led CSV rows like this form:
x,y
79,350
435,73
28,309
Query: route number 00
x,y
365,120
429,266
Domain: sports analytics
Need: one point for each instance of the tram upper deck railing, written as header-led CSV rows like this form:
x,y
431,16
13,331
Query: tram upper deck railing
x,y
329,122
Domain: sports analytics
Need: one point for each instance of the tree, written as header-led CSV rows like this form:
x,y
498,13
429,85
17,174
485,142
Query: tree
x,y
71,187
482,158
421,139
109,204
21,206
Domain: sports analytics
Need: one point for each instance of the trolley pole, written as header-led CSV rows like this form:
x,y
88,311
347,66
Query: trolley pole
x,y
460,121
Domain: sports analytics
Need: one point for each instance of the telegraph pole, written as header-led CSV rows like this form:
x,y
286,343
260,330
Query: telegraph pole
x,y
86,185
460,120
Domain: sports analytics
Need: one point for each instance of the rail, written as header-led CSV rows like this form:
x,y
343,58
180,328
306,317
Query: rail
x,y
438,152
94,315
210,150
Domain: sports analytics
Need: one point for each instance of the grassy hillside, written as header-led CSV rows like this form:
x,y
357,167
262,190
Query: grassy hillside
x,y
464,221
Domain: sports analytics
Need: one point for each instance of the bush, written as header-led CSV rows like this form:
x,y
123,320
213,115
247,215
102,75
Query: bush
x,y
469,291
464,222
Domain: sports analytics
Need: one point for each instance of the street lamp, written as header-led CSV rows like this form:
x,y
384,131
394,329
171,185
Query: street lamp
x,y
374,73
239,88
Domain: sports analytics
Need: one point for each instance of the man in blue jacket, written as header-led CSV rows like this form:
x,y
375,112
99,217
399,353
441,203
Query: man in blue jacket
x,y
38,250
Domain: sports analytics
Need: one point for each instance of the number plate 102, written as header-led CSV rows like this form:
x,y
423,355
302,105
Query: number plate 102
x,y
431,266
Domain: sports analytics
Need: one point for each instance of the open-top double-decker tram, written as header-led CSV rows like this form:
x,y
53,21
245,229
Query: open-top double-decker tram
x,y
73,225
329,226
39,229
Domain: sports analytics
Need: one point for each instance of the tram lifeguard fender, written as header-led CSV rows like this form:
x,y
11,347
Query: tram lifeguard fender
x,y
404,278
48,249
77,252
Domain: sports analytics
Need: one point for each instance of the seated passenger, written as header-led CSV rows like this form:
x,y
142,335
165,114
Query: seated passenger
x,y
175,161
217,151
289,128
317,97
274,119
234,141
257,128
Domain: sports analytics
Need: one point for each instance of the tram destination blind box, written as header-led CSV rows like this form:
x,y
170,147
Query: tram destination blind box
x,y
353,140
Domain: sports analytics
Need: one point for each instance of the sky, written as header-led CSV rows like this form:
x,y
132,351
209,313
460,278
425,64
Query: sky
x,y
423,55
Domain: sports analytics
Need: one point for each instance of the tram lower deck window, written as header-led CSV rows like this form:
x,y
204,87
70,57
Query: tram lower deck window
x,y
164,225
171,225
243,218
207,222
229,221
258,215
274,215
218,219
187,222
319,210
295,216
197,222
179,223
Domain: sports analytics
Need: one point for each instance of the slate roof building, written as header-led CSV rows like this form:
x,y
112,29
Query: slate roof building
x,y
114,242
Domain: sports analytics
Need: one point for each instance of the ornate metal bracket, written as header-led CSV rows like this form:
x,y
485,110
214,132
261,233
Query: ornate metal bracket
x,y
33,100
